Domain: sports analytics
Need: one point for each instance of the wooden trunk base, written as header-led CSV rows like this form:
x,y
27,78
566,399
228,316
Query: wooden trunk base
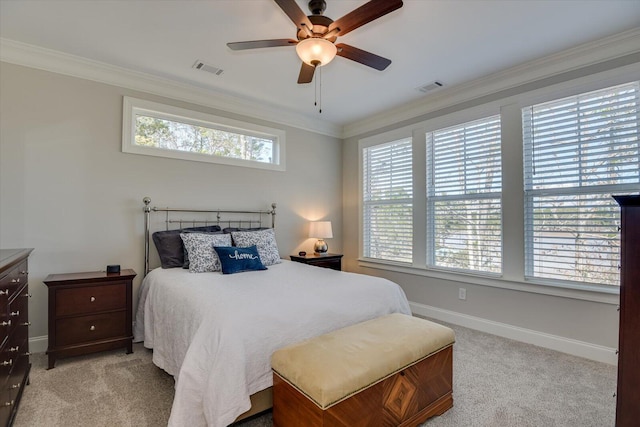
x,y
405,399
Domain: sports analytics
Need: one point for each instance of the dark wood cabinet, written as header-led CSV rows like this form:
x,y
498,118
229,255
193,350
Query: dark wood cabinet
x,y
332,261
628,393
89,312
14,327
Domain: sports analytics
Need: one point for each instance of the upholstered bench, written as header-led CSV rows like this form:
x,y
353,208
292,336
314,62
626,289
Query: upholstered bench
x,y
395,370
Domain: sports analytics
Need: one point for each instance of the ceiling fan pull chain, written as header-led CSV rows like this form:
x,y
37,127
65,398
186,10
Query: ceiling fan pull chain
x,y
315,92
320,96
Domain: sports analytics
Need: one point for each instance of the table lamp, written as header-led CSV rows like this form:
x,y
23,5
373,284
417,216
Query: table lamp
x,y
320,230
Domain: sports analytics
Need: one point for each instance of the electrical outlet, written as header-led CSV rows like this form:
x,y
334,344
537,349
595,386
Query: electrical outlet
x,y
462,293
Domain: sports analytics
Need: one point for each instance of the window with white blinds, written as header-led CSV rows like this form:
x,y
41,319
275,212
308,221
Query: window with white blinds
x,y
388,201
464,184
578,151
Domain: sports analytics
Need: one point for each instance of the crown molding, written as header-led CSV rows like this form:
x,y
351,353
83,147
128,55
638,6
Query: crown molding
x,y
581,56
27,55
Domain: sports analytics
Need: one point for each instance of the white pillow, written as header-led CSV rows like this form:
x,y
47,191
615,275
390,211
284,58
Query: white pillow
x,y
265,240
202,257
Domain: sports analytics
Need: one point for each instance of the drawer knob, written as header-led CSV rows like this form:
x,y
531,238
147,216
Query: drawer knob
x,y
8,403
92,328
7,323
7,362
92,299
16,348
5,292
14,386
15,280
15,313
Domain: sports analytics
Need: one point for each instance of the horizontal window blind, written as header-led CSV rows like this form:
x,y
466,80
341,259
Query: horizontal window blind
x,y
578,151
464,184
388,201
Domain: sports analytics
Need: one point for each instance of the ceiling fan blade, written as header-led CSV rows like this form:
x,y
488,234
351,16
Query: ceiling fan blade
x,y
293,11
362,56
306,73
365,14
256,44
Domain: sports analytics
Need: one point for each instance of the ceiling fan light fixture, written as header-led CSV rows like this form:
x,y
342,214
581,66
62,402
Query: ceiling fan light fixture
x,y
316,51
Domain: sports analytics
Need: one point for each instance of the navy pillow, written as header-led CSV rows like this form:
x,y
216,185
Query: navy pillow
x,y
236,260
170,247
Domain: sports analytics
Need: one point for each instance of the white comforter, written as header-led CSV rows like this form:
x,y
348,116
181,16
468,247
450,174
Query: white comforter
x,y
215,333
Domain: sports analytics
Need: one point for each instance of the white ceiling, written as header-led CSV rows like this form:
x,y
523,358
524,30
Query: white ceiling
x,y
449,41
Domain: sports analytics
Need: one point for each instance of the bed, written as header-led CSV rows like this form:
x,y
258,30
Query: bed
x,y
215,333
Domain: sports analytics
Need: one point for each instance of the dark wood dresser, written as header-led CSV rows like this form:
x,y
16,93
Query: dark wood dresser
x,y
628,393
14,327
89,312
332,261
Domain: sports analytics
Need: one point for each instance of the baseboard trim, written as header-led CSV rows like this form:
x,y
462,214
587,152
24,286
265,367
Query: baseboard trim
x,y
38,344
553,342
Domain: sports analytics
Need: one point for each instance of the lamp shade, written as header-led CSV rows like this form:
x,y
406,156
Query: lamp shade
x,y
320,230
316,51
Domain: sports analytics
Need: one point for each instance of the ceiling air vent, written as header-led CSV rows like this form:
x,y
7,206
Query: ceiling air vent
x,y
429,87
199,65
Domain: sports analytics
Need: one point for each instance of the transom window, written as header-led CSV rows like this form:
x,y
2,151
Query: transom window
x,y
161,130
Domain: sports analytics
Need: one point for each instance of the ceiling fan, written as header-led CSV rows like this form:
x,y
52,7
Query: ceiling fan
x,y
317,34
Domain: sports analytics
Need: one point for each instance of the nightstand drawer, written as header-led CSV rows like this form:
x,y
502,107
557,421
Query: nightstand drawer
x,y
91,299
332,261
325,263
84,329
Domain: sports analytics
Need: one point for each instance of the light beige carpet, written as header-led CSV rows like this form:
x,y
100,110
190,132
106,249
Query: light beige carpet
x,y
497,382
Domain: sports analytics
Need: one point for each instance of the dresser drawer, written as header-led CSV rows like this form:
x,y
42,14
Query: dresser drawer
x,y
91,299
6,361
18,373
6,403
85,329
13,280
18,314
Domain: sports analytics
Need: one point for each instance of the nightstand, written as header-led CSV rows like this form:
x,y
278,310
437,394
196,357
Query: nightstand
x,y
333,261
89,312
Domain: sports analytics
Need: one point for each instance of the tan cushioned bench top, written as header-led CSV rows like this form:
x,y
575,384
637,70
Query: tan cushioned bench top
x,y
334,366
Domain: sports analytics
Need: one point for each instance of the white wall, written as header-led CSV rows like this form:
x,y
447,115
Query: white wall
x,y
577,322
68,191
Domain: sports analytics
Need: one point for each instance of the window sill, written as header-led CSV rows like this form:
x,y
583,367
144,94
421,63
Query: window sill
x,y
592,293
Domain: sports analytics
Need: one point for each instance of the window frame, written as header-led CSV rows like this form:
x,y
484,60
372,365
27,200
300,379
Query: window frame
x,y
381,139
531,193
135,106
433,199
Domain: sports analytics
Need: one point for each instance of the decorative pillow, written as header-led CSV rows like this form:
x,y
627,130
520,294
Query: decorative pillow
x,y
265,240
202,257
170,247
236,260
185,264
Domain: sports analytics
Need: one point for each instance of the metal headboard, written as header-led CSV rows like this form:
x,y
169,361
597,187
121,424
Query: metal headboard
x,y
256,218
